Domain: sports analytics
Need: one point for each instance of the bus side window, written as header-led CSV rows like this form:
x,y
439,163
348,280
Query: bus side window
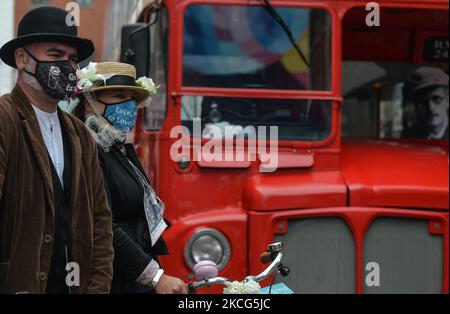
x,y
359,113
391,111
155,113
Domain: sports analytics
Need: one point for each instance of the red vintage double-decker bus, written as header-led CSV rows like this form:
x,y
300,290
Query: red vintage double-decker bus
x,y
360,206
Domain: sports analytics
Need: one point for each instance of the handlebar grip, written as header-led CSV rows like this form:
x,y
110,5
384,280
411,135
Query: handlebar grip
x,y
191,289
265,257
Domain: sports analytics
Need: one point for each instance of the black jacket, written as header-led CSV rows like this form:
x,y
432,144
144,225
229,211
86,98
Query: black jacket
x,y
132,244
61,241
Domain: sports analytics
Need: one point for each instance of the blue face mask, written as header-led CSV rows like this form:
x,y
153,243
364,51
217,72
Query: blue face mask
x,y
122,115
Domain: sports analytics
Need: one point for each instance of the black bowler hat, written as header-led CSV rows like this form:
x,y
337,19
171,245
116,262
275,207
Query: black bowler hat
x,y
46,24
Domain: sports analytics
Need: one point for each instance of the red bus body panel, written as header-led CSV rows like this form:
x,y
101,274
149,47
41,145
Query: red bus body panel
x,y
355,180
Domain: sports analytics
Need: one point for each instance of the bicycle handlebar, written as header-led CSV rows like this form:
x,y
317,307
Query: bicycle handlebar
x,y
276,256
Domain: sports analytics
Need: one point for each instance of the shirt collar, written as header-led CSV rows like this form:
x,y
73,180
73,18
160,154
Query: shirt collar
x,y
40,113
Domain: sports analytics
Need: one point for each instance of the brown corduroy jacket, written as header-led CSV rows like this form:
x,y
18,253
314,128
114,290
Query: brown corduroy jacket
x,y
27,213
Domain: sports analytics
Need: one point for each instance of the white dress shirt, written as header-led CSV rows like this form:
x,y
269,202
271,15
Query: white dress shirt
x,y
51,132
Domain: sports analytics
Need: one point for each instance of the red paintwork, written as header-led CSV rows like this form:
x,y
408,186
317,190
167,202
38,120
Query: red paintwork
x,y
231,222
295,189
225,164
288,160
393,174
357,180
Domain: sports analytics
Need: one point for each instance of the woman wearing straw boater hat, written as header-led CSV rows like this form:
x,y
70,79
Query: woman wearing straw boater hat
x,y
53,208
110,97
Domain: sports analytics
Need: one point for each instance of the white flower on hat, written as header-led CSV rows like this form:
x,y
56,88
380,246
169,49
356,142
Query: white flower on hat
x,y
88,76
248,287
148,84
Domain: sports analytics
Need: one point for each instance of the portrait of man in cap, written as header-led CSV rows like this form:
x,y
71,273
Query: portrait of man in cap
x,y
53,207
426,92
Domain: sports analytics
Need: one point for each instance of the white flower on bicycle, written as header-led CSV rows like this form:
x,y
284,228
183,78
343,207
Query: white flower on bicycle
x,y
148,84
249,287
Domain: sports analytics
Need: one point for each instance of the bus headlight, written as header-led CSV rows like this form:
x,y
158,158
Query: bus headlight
x,y
207,244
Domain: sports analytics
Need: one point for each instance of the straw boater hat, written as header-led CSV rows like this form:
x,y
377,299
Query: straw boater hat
x,y
115,75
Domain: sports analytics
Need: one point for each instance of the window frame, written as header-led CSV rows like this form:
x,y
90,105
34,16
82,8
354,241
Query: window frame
x,y
164,44
334,94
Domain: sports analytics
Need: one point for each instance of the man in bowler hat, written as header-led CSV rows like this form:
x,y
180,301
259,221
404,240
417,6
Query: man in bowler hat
x,y
55,223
